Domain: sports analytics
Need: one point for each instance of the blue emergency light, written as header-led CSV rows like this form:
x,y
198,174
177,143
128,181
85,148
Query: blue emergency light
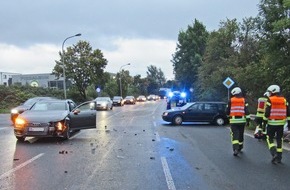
x,y
183,94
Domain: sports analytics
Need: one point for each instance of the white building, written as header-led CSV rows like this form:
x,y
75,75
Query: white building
x,y
6,78
45,80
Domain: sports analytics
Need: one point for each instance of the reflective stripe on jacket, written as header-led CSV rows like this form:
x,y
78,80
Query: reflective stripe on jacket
x,y
237,111
278,112
237,106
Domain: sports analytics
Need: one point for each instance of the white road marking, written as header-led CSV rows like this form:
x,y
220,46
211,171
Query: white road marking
x,y
6,174
131,120
169,180
154,123
157,137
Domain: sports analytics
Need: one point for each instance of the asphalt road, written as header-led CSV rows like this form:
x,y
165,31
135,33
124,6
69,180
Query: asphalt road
x,y
132,148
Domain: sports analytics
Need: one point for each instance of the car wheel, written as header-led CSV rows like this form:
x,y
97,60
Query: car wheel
x,y
219,121
177,120
20,138
112,108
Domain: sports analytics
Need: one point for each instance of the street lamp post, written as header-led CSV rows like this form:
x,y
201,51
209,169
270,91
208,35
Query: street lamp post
x,y
62,47
121,77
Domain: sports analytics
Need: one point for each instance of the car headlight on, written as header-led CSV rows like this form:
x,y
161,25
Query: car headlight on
x,y
20,123
14,111
59,126
165,113
92,106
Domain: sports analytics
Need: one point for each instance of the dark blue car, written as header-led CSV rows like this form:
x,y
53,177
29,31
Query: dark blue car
x,y
212,112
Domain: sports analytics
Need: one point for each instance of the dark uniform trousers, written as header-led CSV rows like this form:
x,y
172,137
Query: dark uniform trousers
x,y
273,130
237,134
261,123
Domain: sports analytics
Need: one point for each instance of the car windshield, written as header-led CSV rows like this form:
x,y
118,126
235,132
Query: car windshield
x,y
29,102
116,98
187,105
44,106
102,99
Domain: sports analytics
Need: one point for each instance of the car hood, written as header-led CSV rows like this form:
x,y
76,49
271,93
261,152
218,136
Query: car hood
x,y
21,108
175,109
102,101
44,116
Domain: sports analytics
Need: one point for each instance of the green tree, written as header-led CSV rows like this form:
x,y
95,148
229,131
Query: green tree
x,y
156,79
111,87
274,27
189,52
83,66
140,84
219,61
126,81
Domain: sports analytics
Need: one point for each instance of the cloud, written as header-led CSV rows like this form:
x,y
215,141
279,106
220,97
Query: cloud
x,y
140,32
40,58
141,53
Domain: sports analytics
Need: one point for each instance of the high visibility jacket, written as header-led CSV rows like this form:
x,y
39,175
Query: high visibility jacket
x,y
237,106
261,106
237,110
278,111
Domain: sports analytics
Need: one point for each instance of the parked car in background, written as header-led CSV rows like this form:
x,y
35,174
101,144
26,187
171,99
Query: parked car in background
x,y
55,118
213,112
141,98
104,103
25,106
118,101
157,97
130,100
151,97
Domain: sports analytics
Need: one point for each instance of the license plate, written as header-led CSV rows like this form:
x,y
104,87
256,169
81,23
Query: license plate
x,y
36,129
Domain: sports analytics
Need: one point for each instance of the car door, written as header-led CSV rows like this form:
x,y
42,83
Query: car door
x,y
194,113
210,111
84,116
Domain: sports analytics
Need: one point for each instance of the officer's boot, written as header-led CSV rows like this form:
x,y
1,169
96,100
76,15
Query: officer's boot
x,y
279,157
274,154
241,146
236,149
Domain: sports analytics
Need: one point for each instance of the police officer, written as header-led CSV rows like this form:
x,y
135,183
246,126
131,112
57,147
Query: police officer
x,y
237,110
277,114
168,103
260,119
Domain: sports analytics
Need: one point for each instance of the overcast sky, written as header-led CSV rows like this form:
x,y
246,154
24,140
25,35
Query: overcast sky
x,y
140,32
